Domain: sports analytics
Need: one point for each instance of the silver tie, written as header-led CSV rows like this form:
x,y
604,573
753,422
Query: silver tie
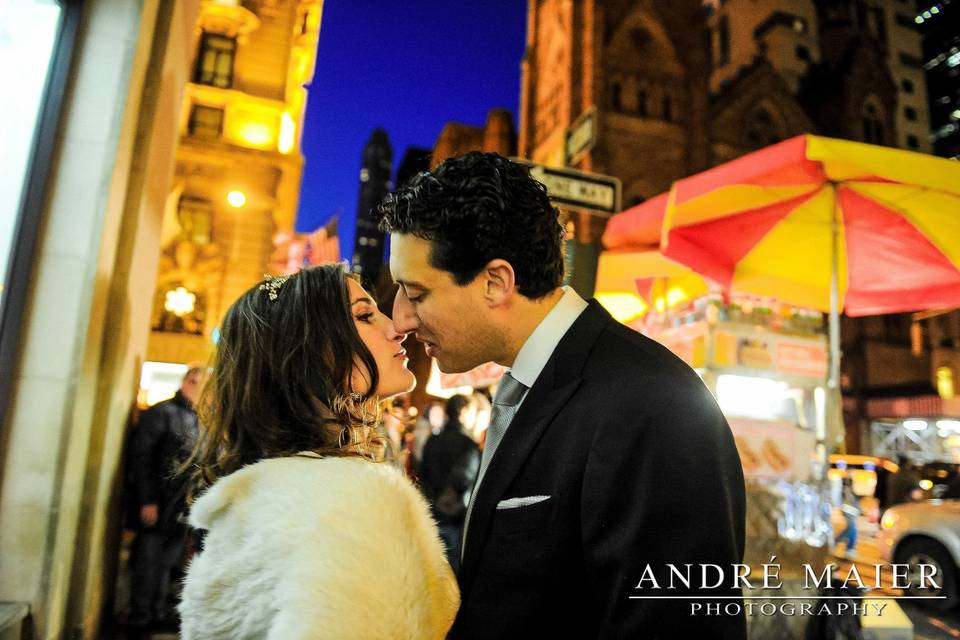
x,y
509,394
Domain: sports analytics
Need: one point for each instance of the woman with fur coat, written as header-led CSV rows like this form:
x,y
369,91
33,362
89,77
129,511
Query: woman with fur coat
x,y
309,534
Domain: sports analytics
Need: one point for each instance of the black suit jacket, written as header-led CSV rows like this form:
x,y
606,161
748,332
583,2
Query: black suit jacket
x,y
641,469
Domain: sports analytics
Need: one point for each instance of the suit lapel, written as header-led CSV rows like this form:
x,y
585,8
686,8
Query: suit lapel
x,y
558,381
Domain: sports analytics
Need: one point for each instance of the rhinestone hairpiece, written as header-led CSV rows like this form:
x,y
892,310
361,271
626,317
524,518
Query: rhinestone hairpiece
x,y
272,285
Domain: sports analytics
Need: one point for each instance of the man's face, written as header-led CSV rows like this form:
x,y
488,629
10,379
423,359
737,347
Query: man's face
x,y
451,321
192,385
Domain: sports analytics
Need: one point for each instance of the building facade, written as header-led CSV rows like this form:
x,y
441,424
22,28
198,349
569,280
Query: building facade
x,y
681,86
939,22
164,108
238,168
375,184
87,288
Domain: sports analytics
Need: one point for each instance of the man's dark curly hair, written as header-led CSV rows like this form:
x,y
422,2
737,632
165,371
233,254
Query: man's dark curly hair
x,y
478,207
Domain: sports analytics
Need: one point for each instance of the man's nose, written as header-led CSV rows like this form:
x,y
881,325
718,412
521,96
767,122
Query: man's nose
x,y
404,316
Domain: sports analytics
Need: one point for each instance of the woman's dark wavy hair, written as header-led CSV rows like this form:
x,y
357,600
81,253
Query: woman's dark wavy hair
x,y
476,208
281,378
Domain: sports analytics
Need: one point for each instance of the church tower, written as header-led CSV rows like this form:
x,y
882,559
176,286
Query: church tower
x,y
644,66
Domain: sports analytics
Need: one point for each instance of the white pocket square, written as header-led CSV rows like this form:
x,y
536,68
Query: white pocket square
x,y
526,501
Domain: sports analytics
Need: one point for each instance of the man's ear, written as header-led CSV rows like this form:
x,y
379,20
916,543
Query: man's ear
x,y
499,282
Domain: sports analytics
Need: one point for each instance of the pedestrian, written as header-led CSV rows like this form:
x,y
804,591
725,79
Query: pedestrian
x,y
161,440
606,459
310,532
451,460
850,507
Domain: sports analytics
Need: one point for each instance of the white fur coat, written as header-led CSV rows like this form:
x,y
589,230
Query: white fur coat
x,y
329,548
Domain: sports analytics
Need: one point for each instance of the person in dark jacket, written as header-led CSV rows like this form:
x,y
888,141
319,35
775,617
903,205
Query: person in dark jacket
x,y
162,439
607,460
451,460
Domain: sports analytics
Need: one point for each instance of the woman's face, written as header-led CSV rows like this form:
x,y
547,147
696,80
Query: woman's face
x,y
377,332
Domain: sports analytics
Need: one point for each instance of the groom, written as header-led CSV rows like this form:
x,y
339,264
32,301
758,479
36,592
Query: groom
x,y
606,459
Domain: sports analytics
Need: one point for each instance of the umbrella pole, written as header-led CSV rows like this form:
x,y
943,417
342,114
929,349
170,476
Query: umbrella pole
x,y
834,326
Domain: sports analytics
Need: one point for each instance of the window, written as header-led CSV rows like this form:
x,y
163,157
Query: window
x,y
196,220
761,131
642,103
913,142
803,53
910,114
205,122
305,23
178,309
215,60
873,130
906,21
615,96
667,108
878,24
723,41
908,60
906,86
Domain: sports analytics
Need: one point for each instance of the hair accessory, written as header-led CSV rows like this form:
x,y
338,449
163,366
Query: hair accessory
x,y
272,285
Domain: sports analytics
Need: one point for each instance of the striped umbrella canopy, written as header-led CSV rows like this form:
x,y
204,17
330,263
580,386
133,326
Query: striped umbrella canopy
x,y
827,224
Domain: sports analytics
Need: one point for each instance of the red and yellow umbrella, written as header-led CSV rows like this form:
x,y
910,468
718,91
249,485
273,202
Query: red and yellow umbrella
x,y
772,222
823,223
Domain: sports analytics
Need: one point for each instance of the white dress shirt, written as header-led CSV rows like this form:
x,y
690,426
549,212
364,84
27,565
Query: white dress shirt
x,y
533,355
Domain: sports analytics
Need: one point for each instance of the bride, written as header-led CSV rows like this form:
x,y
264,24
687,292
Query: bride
x,y
308,533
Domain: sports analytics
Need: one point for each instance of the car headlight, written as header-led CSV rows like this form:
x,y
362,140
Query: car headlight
x,y
889,519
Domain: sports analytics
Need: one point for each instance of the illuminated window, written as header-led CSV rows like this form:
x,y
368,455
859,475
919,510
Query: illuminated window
x,y
215,60
196,220
169,316
205,122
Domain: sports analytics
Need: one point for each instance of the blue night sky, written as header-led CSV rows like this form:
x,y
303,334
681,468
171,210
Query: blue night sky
x,y
408,67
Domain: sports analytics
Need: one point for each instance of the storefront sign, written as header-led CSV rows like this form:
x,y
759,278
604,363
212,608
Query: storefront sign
x,y
773,449
770,352
801,358
482,376
689,343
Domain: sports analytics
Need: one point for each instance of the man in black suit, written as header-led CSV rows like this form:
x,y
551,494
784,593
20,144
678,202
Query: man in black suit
x,y
606,460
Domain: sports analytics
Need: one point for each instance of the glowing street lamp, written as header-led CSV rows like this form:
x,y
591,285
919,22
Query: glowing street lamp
x,y
236,199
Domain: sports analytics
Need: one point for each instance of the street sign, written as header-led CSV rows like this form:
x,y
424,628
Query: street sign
x,y
577,189
581,136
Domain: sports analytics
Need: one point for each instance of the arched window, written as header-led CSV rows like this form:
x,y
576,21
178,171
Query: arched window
x,y
179,308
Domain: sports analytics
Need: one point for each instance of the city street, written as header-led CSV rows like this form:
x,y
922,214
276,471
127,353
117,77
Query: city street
x,y
927,625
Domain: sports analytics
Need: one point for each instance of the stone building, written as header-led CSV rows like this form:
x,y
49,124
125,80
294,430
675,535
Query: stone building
x,y
239,166
680,86
156,111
